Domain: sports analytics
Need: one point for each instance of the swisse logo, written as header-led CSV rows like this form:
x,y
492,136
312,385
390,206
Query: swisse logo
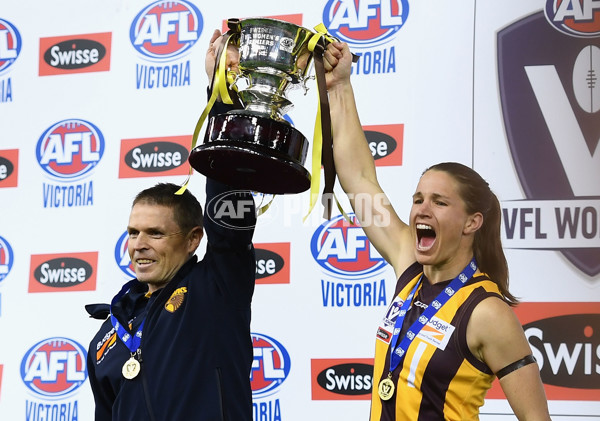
x,y
579,18
232,209
272,263
164,31
75,54
342,379
567,349
63,273
6,168
10,44
385,143
54,368
75,272
70,149
365,23
565,340
347,379
9,161
154,156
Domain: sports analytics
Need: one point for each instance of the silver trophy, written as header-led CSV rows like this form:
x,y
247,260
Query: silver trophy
x,y
255,147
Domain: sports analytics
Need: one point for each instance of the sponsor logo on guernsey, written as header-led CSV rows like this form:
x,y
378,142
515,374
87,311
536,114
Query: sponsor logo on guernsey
x,y
565,340
350,263
63,272
122,256
176,300
10,48
6,258
9,167
53,370
341,379
386,143
104,345
152,157
75,54
550,100
272,263
368,27
163,33
68,151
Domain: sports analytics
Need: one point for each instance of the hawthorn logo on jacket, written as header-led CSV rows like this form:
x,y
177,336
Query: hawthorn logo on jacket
x,y
176,300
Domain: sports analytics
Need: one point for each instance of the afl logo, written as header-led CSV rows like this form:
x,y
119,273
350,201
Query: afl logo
x,y
344,250
164,31
70,148
270,367
10,44
364,23
54,367
6,258
578,18
122,256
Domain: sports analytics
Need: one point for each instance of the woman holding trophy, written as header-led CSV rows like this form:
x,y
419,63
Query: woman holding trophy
x,y
452,278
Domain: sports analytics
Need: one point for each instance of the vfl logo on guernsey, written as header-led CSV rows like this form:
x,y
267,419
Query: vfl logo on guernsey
x,y
270,367
54,367
122,256
10,44
166,30
6,258
70,149
574,17
363,23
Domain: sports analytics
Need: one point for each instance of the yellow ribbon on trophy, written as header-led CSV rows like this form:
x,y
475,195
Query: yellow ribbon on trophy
x,y
222,79
321,33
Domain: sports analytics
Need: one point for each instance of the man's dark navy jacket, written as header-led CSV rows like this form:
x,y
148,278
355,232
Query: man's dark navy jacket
x,y
196,348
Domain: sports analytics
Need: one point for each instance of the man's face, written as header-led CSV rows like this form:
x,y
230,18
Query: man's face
x,y
157,246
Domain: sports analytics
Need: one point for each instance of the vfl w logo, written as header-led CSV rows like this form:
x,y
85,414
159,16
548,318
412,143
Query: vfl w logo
x,y
550,102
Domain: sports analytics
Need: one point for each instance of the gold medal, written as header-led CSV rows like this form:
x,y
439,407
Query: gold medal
x,y
386,388
131,368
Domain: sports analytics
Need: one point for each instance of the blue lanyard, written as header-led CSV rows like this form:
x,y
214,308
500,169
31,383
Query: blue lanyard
x,y
397,353
131,341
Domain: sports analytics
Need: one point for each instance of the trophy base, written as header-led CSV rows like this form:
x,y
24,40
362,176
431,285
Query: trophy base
x,y
251,152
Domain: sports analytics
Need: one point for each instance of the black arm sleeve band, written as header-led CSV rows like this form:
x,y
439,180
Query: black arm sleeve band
x,y
515,366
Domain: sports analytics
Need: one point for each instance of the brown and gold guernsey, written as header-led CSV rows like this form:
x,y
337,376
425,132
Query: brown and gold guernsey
x,y
439,378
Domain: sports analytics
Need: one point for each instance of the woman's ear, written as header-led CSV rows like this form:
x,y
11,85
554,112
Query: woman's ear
x,y
473,223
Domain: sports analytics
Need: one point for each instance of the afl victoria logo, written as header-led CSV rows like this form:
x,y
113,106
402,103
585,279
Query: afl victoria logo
x,y
54,368
70,149
164,31
270,367
365,23
6,258
579,18
344,250
10,44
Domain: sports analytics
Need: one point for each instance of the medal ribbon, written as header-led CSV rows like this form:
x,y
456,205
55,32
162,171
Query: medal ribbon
x,y
131,341
397,353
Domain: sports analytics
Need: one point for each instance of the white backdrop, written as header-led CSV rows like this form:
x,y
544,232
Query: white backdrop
x,y
436,78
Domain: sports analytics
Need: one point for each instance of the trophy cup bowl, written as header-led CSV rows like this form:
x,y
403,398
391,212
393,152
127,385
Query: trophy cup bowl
x,y
255,148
